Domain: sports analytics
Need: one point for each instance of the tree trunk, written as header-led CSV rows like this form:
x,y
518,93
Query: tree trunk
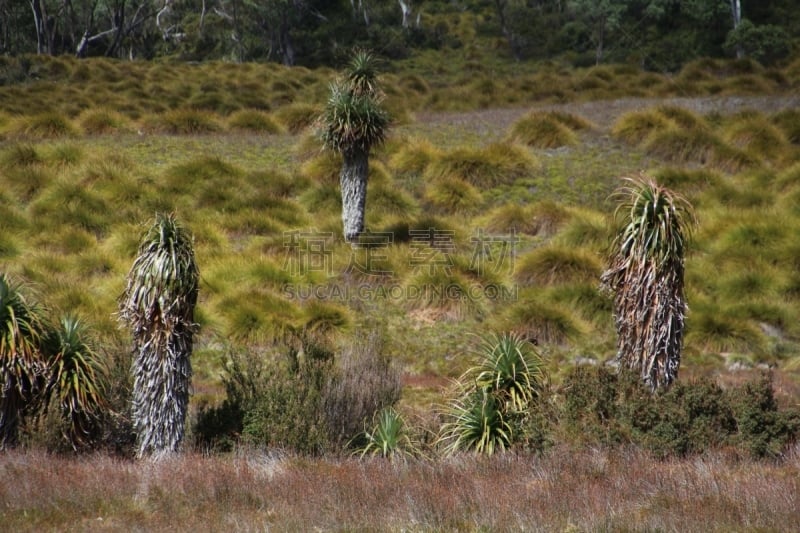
x,y
405,7
601,35
736,11
40,23
353,181
162,376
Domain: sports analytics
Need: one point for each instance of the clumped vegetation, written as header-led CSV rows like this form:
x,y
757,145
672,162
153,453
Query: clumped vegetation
x,y
316,360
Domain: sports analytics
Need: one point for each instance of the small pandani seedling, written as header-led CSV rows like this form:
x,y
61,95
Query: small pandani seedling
x,y
496,396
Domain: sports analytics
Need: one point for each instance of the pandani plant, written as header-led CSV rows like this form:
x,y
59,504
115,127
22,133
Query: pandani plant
x,y
158,306
76,381
22,366
646,276
352,123
495,396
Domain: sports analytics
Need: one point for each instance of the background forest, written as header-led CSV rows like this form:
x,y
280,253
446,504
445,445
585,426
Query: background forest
x,y
658,35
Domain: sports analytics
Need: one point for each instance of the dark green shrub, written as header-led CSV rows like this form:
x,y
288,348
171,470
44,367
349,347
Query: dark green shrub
x,y
592,404
689,418
288,413
603,407
764,430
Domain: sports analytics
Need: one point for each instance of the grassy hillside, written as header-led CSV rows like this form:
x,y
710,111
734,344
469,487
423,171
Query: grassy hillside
x,y
489,210
91,150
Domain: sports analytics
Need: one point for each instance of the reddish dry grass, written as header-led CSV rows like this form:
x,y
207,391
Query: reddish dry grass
x,y
583,490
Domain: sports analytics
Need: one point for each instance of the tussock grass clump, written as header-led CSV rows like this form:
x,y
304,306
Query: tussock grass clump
x,y
757,136
453,195
20,155
688,181
324,169
413,157
697,146
636,126
551,265
276,183
683,117
103,121
42,126
65,154
255,121
586,299
324,198
713,330
184,122
589,229
448,294
297,117
205,172
9,247
27,182
384,198
542,321
496,164
788,121
540,130
788,178
542,218
747,284
71,204
257,315
12,216
754,238
734,195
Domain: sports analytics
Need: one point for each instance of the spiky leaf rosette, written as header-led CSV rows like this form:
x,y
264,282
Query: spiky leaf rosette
x,y
362,74
158,306
352,122
477,423
21,364
77,379
388,437
646,275
509,368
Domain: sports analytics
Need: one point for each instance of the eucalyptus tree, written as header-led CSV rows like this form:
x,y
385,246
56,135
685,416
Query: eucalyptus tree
x,y
158,306
646,275
22,368
353,122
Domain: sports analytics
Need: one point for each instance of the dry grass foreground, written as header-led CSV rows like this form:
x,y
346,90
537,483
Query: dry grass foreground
x,y
588,490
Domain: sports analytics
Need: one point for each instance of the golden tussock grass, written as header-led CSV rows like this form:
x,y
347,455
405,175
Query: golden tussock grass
x,y
539,130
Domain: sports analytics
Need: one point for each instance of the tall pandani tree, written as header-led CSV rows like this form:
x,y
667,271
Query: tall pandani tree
x,y
353,122
158,306
646,276
22,367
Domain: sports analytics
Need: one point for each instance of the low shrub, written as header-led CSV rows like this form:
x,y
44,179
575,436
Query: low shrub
x,y
306,401
602,406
